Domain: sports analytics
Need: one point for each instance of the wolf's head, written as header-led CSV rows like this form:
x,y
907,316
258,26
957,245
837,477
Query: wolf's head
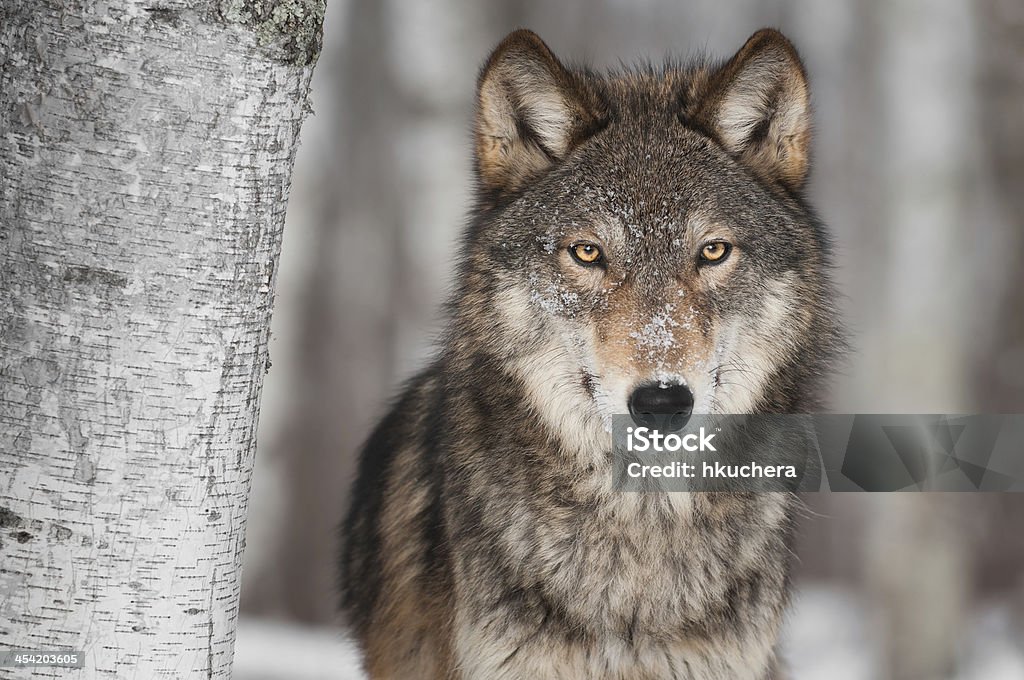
x,y
641,241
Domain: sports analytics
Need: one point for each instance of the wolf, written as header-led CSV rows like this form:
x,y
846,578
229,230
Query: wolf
x,y
640,243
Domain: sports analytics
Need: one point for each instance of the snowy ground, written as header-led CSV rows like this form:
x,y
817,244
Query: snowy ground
x,y
828,637
267,650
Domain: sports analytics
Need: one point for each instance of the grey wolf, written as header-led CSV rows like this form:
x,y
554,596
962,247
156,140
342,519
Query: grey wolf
x,y
640,244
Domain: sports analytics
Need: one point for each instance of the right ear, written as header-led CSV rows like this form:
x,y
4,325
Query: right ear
x,y
758,106
530,112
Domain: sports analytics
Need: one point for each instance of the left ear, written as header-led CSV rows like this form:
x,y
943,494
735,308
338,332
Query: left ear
x,y
758,107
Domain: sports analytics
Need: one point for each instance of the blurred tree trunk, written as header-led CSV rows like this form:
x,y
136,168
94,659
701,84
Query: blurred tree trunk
x,y
919,556
344,336
145,160
390,200
919,567
999,380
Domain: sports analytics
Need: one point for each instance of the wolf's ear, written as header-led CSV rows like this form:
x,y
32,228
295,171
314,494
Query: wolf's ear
x,y
758,106
530,112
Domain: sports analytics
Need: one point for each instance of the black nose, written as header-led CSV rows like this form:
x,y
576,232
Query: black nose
x,y
654,404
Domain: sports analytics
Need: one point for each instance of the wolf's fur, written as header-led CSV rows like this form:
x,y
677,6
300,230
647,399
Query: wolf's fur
x,y
484,540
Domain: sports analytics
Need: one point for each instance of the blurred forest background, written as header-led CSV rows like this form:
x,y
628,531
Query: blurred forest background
x,y
919,171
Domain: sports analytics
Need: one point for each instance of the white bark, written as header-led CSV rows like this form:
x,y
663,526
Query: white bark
x,y
145,157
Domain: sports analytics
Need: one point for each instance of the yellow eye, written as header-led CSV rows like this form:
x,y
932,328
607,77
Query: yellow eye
x,y
715,252
586,253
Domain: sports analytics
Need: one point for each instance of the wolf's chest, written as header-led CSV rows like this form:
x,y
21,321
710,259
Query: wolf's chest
x,y
642,571
628,592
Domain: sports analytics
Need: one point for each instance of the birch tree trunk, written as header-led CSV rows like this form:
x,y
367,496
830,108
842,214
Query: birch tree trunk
x,y
145,157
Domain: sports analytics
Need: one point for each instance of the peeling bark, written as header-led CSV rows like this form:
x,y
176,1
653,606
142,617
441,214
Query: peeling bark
x,y
145,157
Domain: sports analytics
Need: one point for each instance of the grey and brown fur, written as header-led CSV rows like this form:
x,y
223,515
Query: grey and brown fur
x,y
484,541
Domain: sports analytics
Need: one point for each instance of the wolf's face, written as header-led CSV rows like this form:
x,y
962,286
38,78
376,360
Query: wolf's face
x,y
642,239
